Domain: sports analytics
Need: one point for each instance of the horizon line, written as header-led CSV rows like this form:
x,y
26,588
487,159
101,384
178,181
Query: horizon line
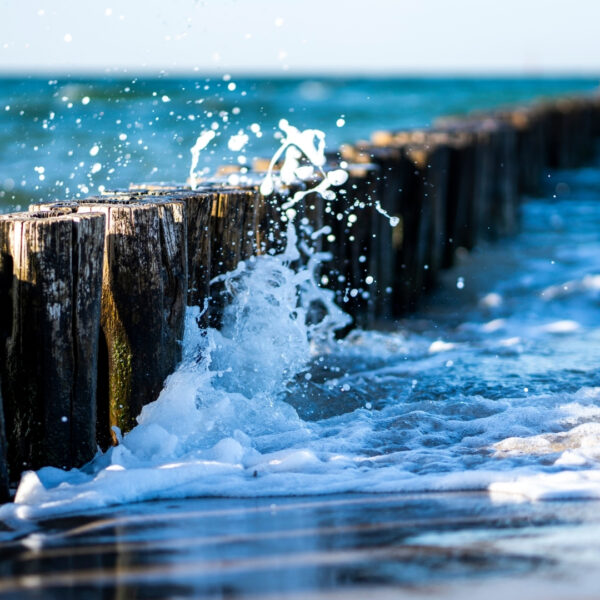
x,y
329,73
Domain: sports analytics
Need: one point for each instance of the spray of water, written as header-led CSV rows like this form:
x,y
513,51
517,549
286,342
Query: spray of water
x,y
296,144
202,142
224,403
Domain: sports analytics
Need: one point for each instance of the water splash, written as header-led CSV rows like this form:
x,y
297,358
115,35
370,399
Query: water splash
x,y
237,142
203,140
295,145
223,404
394,221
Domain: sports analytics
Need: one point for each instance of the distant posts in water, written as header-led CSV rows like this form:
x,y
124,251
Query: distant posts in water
x,y
50,287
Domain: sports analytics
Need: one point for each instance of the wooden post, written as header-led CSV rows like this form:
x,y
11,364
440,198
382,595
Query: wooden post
x,y
144,289
459,193
483,175
402,199
595,110
503,214
568,130
357,240
226,224
388,240
50,283
432,158
4,487
527,125
143,303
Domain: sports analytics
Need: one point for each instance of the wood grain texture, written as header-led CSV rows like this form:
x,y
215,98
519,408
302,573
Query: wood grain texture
x,y
4,482
50,283
144,291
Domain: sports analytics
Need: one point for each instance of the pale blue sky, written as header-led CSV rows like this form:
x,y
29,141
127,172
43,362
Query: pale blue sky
x,y
518,36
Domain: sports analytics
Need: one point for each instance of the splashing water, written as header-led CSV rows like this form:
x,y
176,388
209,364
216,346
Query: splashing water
x,y
237,142
202,142
296,144
309,144
204,427
394,221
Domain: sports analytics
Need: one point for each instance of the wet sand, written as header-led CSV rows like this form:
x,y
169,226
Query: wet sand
x,y
347,546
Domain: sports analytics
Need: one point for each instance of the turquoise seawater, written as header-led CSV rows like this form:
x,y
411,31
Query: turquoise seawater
x,y
64,137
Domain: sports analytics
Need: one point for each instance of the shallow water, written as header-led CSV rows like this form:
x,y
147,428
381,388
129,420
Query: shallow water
x,y
351,546
436,457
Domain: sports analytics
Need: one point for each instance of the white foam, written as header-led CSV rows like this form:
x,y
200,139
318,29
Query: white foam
x,y
564,485
561,327
440,346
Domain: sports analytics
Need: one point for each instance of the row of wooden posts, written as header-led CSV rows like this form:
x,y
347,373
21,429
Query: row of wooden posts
x,y
93,292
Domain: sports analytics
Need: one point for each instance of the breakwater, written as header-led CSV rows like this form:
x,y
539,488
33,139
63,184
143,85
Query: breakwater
x,y
158,249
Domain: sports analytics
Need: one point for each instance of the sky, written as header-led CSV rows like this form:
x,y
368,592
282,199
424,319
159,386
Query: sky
x,y
301,36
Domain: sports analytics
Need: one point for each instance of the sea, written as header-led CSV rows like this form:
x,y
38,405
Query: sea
x,y
452,453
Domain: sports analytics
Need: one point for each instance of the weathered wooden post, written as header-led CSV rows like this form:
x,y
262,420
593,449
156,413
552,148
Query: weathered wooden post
x,y
422,181
503,214
575,131
368,233
226,224
50,284
558,155
483,174
4,487
143,302
403,283
595,109
527,125
431,155
357,240
144,289
388,238
459,193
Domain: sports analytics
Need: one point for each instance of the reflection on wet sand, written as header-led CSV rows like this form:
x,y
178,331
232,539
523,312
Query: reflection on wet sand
x,y
226,548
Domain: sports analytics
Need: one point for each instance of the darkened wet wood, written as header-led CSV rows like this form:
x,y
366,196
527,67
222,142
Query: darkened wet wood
x,y
526,122
4,488
431,160
418,197
503,215
459,194
594,102
144,293
50,285
351,237
385,258
228,235
225,224
390,252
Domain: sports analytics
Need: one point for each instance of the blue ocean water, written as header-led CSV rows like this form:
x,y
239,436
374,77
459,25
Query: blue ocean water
x,y
60,138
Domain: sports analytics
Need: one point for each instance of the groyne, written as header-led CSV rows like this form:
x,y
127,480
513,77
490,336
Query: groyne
x,y
94,291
